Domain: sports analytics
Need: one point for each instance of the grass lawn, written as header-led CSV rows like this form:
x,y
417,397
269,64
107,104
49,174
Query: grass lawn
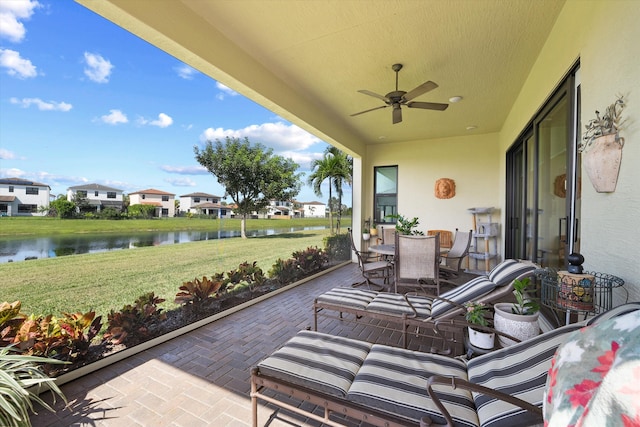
x,y
109,280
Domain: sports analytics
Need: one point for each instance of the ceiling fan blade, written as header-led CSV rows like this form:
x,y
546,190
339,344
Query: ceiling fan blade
x,y
371,109
397,114
375,95
423,88
428,105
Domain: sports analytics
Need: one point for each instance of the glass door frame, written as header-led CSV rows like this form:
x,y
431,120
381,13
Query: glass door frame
x,y
517,160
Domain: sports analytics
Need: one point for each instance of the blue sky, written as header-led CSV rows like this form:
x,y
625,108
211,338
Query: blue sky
x,y
84,101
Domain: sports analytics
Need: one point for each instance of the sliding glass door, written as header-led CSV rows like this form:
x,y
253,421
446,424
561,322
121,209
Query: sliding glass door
x,y
542,195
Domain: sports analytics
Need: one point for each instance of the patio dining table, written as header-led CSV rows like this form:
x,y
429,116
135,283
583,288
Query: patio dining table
x,y
386,250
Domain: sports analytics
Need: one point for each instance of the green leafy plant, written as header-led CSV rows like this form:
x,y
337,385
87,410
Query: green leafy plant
x,y
607,124
524,305
133,321
284,271
406,226
310,260
247,274
21,381
196,291
476,313
11,318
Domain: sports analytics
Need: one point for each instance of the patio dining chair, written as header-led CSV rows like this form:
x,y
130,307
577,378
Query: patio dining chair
x,y
452,259
416,263
371,268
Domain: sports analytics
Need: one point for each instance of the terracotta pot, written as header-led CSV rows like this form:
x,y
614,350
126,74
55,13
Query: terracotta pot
x,y
602,163
480,339
522,327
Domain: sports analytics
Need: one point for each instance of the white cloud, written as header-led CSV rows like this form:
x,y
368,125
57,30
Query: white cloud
x,y
6,154
303,159
11,13
186,72
181,182
98,69
163,121
114,117
225,91
42,105
16,66
185,170
279,136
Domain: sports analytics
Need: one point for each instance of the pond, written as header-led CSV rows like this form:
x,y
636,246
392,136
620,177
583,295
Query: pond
x,y
13,250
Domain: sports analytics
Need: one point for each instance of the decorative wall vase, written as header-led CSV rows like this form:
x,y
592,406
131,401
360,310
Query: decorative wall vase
x,y
602,163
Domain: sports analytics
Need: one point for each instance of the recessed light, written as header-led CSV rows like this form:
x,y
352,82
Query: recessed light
x,y
381,137
455,99
472,127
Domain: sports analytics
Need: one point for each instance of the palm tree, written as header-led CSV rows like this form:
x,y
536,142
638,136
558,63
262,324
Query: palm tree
x,y
337,168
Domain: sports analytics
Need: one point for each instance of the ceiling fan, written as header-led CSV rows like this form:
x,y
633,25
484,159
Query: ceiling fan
x,y
397,98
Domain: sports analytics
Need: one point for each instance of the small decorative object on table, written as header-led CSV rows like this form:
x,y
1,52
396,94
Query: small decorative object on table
x,y
476,314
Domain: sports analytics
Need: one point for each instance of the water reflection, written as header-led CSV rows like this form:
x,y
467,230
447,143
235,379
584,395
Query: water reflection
x,y
49,247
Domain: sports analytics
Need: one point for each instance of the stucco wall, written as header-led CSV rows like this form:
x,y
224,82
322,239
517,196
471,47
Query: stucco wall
x,y
471,161
604,36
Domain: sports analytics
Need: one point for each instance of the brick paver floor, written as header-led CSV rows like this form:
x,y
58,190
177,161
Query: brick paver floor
x,y
203,377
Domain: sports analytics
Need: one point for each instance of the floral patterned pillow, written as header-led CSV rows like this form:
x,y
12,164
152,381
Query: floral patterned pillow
x,y
594,378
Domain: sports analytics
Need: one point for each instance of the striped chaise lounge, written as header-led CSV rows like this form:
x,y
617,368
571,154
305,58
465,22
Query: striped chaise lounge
x,y
341,381
437,318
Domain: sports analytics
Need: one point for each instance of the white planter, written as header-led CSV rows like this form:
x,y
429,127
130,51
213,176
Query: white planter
x,y
522,327
366,236
480,339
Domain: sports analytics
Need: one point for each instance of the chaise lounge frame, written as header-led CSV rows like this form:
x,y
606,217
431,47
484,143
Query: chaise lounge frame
x,y
446,330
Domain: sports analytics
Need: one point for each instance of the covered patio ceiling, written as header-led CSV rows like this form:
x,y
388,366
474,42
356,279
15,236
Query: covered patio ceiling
x,y
306,60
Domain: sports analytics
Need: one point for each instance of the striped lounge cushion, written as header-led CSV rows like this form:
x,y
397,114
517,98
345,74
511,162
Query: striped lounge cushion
x,y
394,380
317,361
349,297
519,370
509,270
470,291
398,305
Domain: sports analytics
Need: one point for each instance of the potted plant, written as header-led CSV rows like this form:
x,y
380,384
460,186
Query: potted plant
x,y
406,226
477,314
519,319
366,235
602,147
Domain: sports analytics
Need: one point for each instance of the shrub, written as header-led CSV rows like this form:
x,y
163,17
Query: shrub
x,y
133,322
338,247
10,321
246,274
311,260
284,271
196,293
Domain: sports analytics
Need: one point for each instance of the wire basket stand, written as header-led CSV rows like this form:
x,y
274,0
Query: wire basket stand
x,y
599,292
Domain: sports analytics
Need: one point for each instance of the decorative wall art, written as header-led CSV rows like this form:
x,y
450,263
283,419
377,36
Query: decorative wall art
x,y
445,188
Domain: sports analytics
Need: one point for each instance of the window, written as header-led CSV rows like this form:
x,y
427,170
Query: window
x,y
386,193
95,193
111,194
196,200
81,193
32,190
27,208
4,208
165,198
144,197
11,189
165,212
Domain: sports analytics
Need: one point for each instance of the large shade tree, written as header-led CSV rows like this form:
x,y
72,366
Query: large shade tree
x,y
335,166
250,173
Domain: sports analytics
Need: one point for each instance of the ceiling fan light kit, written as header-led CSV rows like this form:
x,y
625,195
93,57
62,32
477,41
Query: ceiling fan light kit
x,y
398,98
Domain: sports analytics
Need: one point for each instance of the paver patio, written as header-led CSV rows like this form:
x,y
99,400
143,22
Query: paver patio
x,y
203,377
